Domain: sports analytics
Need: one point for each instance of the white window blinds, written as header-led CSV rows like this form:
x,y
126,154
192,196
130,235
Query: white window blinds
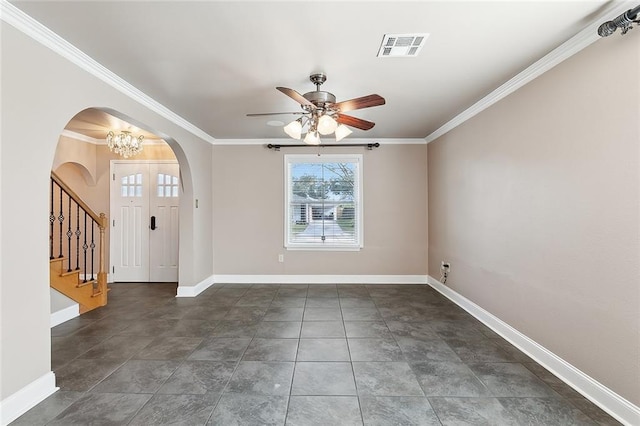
x,y
323,202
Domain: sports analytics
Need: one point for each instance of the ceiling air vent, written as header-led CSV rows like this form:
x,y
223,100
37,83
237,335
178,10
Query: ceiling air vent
x,y
401,45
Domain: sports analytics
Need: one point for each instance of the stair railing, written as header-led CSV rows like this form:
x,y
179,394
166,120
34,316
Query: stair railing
x,y
72,232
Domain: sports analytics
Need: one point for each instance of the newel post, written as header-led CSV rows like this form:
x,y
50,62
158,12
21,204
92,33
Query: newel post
x,y
102,274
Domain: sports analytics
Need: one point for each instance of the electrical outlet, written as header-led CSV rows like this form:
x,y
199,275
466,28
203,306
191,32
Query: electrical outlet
x,y
281,258
445,266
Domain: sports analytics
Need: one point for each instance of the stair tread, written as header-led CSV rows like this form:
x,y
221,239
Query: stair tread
x,y
98,292
90,282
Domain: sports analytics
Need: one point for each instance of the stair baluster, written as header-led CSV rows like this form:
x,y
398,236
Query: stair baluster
x,y
69,234
93,247
77,237
52,220
61,221
85,246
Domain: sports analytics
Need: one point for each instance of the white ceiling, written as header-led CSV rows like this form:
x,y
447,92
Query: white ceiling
x,y
212,62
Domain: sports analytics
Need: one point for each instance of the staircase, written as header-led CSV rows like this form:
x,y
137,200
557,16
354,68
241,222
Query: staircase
x,y
89,295
73,252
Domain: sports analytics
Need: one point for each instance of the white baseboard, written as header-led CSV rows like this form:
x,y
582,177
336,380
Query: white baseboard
x,y
193,291
320,279
617,406
26,398
65,314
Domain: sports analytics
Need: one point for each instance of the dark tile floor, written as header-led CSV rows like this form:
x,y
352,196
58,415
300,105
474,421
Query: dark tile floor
x,y
295,355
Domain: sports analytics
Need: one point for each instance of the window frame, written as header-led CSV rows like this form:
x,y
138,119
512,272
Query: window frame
x,y
357,159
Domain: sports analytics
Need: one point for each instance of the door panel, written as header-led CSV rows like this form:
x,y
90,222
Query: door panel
x,y
130,194
164,203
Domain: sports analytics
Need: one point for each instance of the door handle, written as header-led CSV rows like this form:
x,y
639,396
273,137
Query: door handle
x,y
153,223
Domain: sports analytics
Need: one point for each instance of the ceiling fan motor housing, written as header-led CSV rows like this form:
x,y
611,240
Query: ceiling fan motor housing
x,y
320,98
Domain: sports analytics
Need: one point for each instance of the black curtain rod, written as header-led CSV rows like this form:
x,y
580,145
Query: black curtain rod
x,y
277,147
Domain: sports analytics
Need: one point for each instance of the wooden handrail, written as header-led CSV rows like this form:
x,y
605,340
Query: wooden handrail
x,y
101,221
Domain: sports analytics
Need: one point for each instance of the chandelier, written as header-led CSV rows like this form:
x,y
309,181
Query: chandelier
x,y
320,122
124,143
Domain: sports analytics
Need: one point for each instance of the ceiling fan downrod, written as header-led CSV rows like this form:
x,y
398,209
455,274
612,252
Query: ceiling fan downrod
x,y
318,79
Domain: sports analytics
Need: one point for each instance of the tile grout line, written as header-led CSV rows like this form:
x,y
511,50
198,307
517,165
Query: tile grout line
x,y
295,364
353,372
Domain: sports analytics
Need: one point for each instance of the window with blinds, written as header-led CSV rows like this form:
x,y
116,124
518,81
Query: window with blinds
x,y
323,202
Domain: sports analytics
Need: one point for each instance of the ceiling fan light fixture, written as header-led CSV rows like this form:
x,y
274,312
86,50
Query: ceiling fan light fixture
x,y
312,138
294,129
342,132
326,125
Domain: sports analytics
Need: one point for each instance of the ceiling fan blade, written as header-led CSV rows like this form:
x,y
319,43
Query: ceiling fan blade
x,y
359,103
358,123
261,114
296,97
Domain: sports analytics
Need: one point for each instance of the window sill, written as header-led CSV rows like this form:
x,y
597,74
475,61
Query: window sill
x,y
323,248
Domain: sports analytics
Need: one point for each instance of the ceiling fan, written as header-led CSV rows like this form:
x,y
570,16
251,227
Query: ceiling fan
x,y
322,114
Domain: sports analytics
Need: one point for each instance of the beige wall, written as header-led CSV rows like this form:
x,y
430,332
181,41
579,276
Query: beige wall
x,y
75,152
535,202
249,214
41,92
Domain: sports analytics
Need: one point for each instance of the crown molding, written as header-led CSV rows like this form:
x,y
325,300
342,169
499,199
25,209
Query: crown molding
x,y
84,138
34,29
289,141
581,40
80,137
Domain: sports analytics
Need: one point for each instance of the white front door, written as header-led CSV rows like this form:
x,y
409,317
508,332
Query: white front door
x,y
144,225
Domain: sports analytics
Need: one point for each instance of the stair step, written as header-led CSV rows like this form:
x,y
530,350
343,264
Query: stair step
x,y
67,273
81,284
98,292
